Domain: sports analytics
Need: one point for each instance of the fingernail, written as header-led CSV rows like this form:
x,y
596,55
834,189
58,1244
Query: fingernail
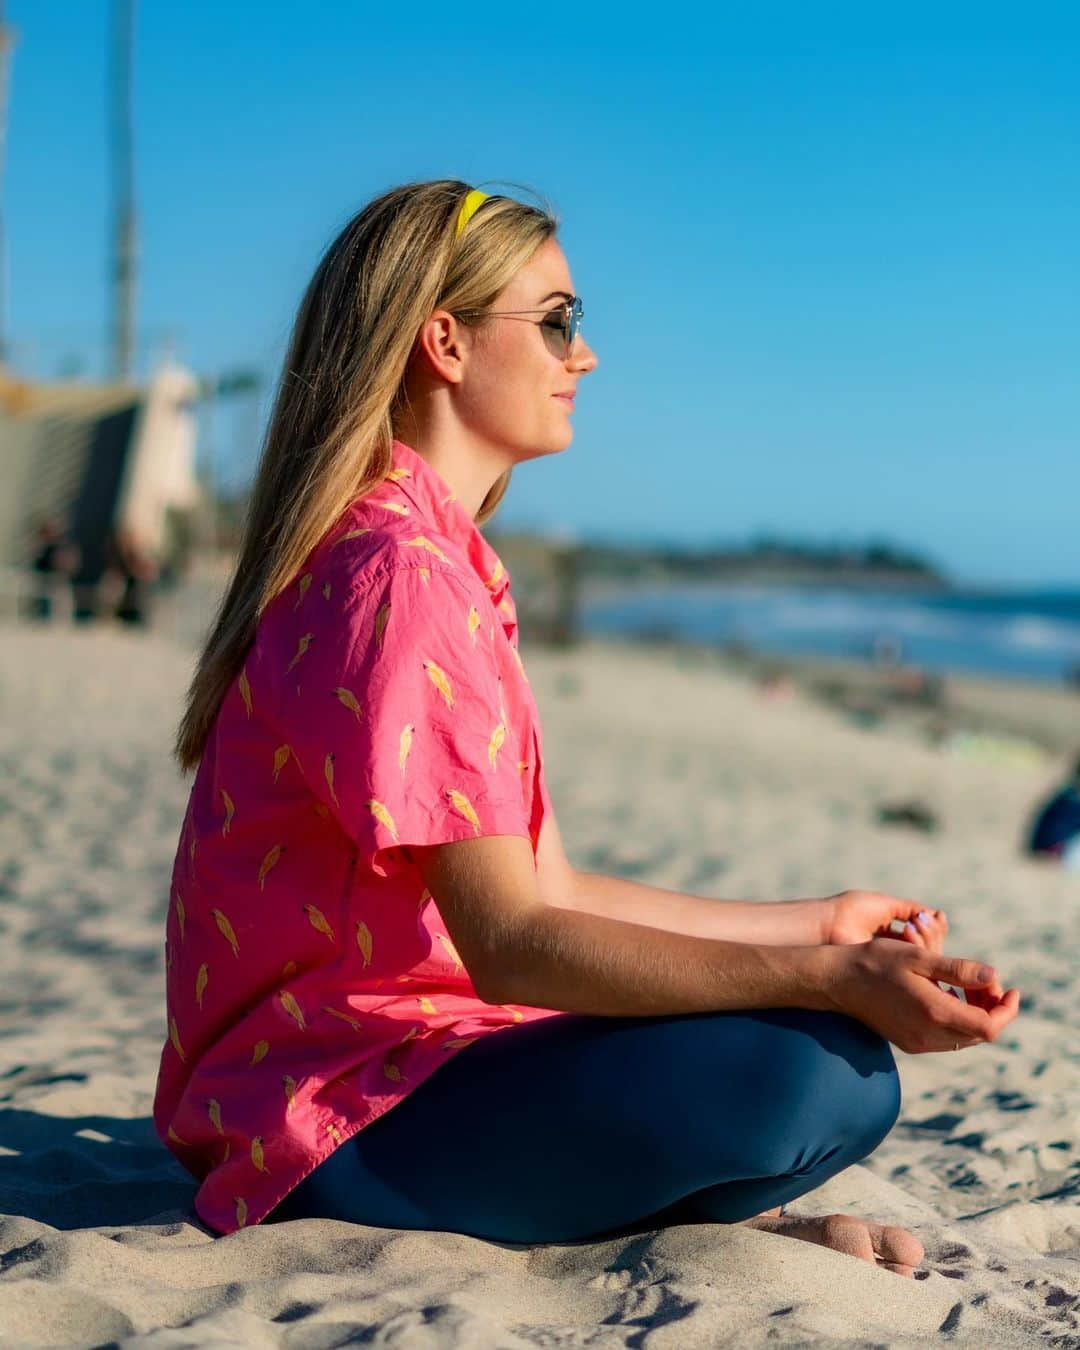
x,y
910,928
923,916
986,974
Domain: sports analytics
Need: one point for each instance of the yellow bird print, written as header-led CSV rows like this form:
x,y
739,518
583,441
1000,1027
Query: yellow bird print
x,y
304,587
335,1134
473,623
405,745
464,807
424,574
241,1210
328,770
383,816
226,930
398,508
288,1082
281,758
422,541
495,744
319,922
349,699
245,690
230,811
257,1155
393,1073
506,607
288,970
267,864
201,981
213,1110
176,1138
259,1052
326,591
174,1036
496,576
451,951
398,472
301,648
426,1005
181,914
352,534
381,620
438,678
354,1022
364,941
293,1009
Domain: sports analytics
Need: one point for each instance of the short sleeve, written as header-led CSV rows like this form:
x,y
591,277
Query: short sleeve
x,y
398,719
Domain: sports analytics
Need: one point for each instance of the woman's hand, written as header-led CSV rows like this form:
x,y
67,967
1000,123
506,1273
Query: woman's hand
x,y
891,986
858,916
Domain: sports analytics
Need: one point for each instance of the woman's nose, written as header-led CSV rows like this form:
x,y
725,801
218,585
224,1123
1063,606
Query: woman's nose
x,y
582,357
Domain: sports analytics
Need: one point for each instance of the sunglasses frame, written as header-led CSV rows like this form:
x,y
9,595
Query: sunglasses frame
x,y
573,310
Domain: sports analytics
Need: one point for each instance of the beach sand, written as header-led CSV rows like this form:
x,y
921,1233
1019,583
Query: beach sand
x,y
663,766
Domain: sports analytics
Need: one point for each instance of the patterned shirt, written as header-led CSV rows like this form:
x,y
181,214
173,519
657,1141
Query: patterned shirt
x,y
310,980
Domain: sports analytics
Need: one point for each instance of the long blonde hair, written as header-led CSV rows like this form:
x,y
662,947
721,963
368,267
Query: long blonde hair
x,y
341,393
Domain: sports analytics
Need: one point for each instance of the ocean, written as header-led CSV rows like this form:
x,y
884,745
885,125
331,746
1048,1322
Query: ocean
x,y
1032,635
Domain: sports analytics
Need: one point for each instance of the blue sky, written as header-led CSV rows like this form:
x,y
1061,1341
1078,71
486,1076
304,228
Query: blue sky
x,y
830,254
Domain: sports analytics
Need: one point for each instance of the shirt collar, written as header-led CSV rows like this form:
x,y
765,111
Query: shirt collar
x,y
435,502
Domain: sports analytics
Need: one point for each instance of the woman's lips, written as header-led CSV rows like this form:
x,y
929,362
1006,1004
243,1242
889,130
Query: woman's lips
x,y
566,398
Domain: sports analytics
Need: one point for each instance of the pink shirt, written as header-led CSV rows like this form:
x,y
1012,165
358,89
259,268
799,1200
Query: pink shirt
x,y
310,981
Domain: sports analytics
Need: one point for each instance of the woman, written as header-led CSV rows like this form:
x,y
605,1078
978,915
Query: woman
x,y
390,996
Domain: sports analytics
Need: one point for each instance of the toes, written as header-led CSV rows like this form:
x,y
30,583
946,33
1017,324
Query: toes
x,y
908,1272
844,1233
896,1245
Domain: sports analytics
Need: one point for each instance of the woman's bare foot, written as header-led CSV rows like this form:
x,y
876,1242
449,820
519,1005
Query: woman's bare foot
x,y
884,1245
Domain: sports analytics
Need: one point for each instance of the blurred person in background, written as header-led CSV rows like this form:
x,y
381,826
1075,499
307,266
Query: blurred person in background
x,y
1055,831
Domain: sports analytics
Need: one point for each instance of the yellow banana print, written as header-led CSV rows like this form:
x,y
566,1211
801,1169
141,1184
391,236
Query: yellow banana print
x,y
422,541
354,1022
458,1041
383,816
181,914
226,930
496,576
349,699
425,574
520,664
213,1110
230,811
168,957
267,864
398,508
241,1210
326,591
426,1005
464,807
257,1155
364,941
438,678
288,970
353,534
258,1052
393,1073
293,1009
381,620
305,584
176,1138
473,623
515,1013
174,1036
245,690
201,981
328,770
301,648
335,1134
495,744
409,1035
281,758
288,1082
191,849
506,607
405,744
523,764
319,922
399,472
451,951
225,1152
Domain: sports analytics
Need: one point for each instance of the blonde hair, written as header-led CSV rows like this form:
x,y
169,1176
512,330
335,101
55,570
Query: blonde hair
x,y
341,393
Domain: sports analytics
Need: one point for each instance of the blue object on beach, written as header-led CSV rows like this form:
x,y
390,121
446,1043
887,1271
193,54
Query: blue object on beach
x,y
1057,826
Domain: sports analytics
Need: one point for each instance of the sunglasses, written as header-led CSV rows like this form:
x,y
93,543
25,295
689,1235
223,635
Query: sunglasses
x,y
559,326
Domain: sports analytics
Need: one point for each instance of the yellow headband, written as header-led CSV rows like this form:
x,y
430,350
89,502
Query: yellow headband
x,y
468,209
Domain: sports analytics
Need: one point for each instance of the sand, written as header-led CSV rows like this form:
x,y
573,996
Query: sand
x,y
663,766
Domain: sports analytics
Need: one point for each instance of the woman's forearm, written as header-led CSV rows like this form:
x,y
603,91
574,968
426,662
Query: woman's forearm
x,y
786,923
575,961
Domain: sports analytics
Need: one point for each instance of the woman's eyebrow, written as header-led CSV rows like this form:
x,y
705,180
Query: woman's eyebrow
x,y
552,294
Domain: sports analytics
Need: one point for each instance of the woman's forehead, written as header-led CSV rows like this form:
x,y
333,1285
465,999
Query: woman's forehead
x,y
546,271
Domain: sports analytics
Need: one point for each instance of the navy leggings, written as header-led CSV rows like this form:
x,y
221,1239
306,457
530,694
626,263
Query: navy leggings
x,y
579,1126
